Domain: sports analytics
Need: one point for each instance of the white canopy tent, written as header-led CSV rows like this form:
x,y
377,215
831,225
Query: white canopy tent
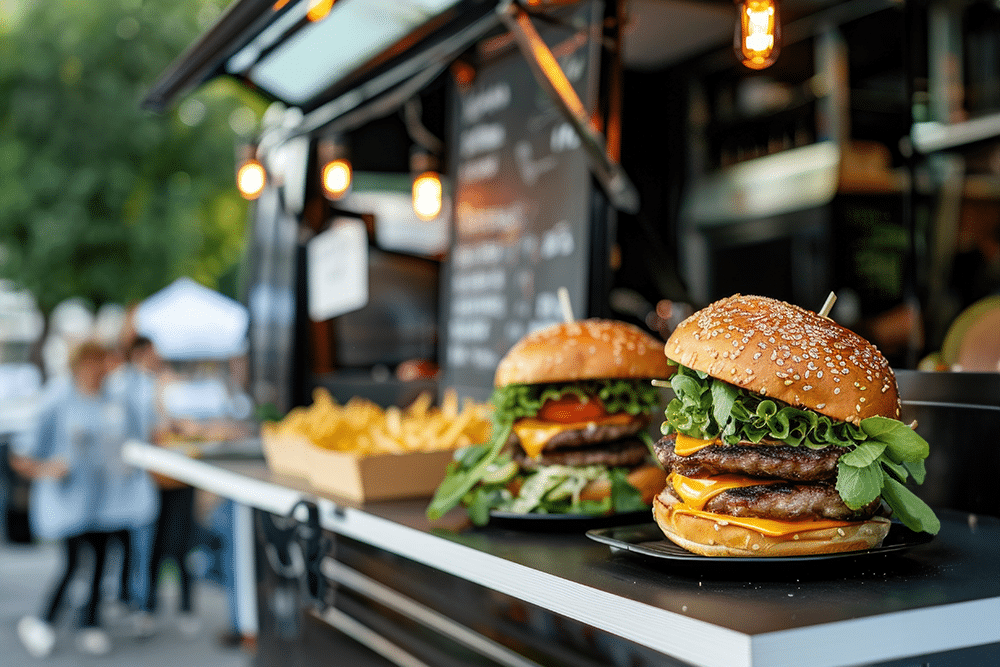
x,y
188,321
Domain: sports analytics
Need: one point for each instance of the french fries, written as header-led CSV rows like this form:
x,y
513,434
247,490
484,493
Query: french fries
x,y
362,428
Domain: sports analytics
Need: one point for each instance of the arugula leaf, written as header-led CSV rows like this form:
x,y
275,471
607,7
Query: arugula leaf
x,y
481,499
858,486
624,496
459,480
864,454
902,442
917,469
723,400
912,511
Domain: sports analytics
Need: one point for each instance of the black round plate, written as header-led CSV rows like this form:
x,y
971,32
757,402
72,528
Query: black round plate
x,y
647,540
578,522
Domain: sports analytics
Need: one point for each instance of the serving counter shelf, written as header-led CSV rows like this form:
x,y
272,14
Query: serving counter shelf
x,y
936,604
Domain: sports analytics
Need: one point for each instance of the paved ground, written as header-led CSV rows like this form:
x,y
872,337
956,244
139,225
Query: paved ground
x,y
27,572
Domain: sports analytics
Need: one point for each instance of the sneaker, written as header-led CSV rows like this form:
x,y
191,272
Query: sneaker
x,y
188,624
143,625
93,641
38,637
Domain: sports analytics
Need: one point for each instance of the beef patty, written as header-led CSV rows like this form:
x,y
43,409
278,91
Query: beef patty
x,y
787,501
627,453
772,460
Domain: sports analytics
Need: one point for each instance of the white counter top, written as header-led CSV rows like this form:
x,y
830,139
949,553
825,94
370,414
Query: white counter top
x,y
941,596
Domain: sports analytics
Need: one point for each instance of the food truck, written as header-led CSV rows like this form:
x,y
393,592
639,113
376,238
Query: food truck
x,y
620,154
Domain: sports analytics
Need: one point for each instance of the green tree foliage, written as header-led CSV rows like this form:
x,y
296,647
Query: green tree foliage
x,y
98,197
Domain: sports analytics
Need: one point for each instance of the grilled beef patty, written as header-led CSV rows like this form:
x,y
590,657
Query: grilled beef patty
x,y
781,461
627,453
594,434
784,500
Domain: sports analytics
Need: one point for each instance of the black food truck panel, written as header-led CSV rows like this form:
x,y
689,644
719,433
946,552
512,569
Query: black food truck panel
x,y
522,205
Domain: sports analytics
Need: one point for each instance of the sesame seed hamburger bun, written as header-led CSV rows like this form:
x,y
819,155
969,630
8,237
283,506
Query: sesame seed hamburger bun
x,y
582,350
769,403
788,353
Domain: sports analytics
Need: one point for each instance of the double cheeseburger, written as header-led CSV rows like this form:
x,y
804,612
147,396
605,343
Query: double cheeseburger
x,y
783,437
572,405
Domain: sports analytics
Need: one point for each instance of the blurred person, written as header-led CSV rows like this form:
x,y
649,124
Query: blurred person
x,y
135,381
202,403
172,537
83,493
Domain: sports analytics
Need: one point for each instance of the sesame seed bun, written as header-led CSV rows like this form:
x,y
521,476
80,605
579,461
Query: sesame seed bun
x,y
583,350
714,536
790,354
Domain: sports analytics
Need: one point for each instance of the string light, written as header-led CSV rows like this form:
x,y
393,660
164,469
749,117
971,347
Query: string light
x,y
428,195
336,178
337,173
251,177
757,39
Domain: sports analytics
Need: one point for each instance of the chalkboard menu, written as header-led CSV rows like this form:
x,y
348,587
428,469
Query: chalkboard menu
x,y
523,195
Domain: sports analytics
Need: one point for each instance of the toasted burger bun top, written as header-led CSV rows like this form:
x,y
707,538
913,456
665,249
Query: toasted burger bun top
x,y
582,350
788,353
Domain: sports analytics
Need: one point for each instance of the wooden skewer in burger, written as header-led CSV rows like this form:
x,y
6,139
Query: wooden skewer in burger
x,y
783,437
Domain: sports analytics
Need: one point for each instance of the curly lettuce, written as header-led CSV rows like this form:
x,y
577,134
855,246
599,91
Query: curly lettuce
x,y
515,401
884,453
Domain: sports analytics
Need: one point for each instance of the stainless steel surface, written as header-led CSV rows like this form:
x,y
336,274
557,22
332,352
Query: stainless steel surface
x,y
368,587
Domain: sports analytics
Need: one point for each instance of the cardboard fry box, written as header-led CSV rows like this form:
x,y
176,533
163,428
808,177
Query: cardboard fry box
x,y
378,477
358,478
286,454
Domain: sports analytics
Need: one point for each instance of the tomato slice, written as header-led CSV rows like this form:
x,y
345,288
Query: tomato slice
x,y
570,408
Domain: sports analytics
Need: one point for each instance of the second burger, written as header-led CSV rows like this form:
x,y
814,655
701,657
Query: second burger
x,y
572,404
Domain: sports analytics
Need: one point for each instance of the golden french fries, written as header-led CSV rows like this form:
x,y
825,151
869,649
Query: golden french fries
x,y
362,428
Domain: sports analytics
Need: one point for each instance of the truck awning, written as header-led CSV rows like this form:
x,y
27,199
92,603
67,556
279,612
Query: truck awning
x,y
287,52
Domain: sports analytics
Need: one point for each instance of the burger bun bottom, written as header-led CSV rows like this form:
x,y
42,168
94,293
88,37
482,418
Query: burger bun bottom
x,y
708,537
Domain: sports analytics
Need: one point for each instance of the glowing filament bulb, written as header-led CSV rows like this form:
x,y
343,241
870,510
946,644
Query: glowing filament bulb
x,y
318,9
427,195
757,38
251,179
336,178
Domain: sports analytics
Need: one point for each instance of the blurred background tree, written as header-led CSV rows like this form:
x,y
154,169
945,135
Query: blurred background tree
x,y
98,198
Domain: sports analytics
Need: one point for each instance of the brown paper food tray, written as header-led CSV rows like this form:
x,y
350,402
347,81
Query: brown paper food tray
x,y
368,478
286,454
378,477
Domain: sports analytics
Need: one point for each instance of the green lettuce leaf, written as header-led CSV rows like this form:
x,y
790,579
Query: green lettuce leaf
x,y
912,511
515,401
465,472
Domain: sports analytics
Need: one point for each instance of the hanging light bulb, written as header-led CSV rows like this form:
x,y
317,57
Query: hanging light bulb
x,y
251,177
758,33
428,195
337,173
428,192
318,10
336,178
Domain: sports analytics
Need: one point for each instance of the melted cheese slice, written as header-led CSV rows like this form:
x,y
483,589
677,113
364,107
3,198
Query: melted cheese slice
x,y
534,433
695,492
770,527
685,445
